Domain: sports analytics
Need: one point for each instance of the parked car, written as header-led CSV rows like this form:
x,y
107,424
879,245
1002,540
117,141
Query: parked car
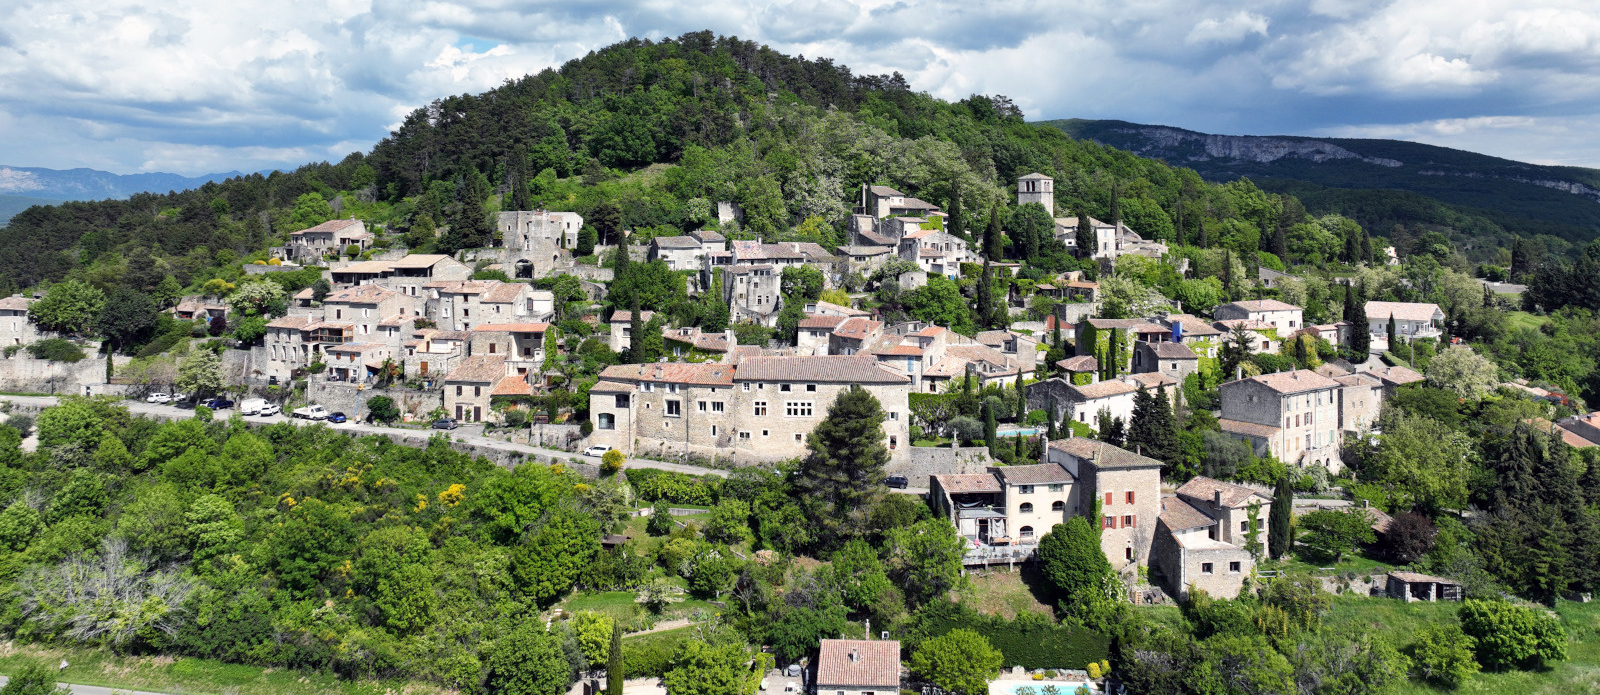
x,y
311,412
337,417
158,398
218,403
252,406
269,409
596,451
445,423
898,482
179,397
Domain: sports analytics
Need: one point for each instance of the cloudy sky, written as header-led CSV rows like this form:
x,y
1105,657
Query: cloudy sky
x,y
192,86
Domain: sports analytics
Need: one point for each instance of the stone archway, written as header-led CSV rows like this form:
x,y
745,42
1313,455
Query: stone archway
x,y
523,268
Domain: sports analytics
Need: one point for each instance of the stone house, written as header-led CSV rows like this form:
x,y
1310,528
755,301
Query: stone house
x,y
1202,539
1201,337
469,388
815,334
407,275
1094,337
431,352
1287,318
355,362
1083,402
535,242
1396,377
1262,337
1007,505
1128,488
752,293
854,335
1021,349
1037,188
936,252
1172,359
621,324
15,326
1360,397
457,305
1292,415
332,236
760,409
691,342
858,667
866,259
367,307
197,307
883,201
1412,320
521,344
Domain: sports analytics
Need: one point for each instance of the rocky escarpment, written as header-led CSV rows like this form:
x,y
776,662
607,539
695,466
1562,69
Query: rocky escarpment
x,y
1192,146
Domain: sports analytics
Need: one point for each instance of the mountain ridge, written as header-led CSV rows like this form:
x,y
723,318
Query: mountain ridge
x,y
83,183
1563,201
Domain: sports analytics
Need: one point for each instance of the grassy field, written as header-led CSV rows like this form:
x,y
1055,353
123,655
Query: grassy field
x,y
1006,594
1523,319
1580,673
196,676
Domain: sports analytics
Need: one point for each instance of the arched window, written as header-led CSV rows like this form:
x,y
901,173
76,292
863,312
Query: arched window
x,y
1027,507
1058,506
1026,531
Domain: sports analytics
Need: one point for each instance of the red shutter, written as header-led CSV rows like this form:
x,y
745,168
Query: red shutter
x,y
1130,497
1108,499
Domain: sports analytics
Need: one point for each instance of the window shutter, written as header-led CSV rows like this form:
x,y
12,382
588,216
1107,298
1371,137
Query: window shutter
x,y
1108,499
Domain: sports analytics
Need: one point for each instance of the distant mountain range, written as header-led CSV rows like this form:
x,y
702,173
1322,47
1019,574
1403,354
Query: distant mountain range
x,y
1379,182
23,187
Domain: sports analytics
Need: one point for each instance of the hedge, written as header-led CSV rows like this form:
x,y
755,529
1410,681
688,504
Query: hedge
x,y
56,350
1030,643
650,656
680,488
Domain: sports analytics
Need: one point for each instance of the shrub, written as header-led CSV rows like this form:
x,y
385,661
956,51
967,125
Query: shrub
x,y
1094,670
611,462
56,350
12,350
655,485
1444,655
1026,641
352,250
1512,636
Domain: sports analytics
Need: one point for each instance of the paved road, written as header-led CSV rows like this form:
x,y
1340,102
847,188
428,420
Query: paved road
x,y
93,689
472,434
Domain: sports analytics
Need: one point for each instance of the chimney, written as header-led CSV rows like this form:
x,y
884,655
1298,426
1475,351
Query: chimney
x,y
855,655
1216,499
868,622
1238,373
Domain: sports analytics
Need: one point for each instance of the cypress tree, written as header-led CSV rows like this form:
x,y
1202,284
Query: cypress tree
x,y
1205,239
1279,534
966,382
990,430
1392,330
991,236
620,264
1019,453
1085,233
1356,314
519,192
985,297
1022,400
956,227
636,334
1050,433
614,673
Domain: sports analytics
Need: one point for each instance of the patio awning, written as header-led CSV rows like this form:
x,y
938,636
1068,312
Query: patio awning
x,y
982,513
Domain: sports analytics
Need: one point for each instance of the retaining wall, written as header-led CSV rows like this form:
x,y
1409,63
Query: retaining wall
x,y
925,461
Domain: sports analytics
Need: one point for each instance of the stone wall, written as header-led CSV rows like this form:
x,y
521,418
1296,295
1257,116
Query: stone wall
x,y
21,373
925,461
1072,313
341,396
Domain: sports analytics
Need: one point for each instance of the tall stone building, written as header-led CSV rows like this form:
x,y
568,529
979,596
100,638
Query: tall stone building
x,y
1037,188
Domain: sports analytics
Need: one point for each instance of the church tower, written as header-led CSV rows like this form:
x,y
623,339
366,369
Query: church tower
x,y
1037,188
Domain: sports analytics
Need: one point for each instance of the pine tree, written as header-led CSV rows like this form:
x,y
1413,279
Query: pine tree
x,y
1116,433
1356,314
842,477
1153,431
985,298
1519,258
1280,536
614,672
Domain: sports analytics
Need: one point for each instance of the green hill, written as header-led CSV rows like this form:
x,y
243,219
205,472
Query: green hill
x,y
1379,182
10,205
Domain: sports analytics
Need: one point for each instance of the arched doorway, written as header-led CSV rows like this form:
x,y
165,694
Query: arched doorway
x,y
524,268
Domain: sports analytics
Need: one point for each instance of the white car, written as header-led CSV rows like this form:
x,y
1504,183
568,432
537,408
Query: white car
x,y
269,409
596,451
158,398
311,412
179,397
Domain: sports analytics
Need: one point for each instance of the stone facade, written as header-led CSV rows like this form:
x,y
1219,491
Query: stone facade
x,y
1172,359
1128,488
537,242
760,410
1292,415
752,293
1287,318
1204,537
1412,320
330,237
15,326
1037,188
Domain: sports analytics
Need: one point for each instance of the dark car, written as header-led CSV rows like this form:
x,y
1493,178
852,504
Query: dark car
x,y
218,403
898,481
338,417
445,424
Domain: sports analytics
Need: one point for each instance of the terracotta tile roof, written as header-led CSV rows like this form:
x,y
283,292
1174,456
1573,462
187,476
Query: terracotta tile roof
x,y
1036,474
710,374
931,332
611,387
1297,381
1150,328
504,293
419,260
1333,371
627,316
1260,305
450,335
1034,176
1359,379
864,250
396,320
1154,380
14,303
329,226
996,338
1402,311
1101,389
360,294
1081,363
886,191
1203,489
919,233
676,242
366,268
857,328
830,307
513,386
1172,351
901,351
917,204
1101,454
948,366
1249,428
849,369
461,286
877,239
956,483
1179,515
1226,325
1107,324
355,348
1193,326
307,293
1397,375
1083,285
291,322
511,328
479,368
820,321
709,237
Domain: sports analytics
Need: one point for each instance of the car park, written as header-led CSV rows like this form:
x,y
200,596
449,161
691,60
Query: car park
x,y
596,451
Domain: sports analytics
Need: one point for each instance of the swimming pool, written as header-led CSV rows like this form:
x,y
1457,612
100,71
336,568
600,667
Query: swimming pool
x,y
1016,687
1026,432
